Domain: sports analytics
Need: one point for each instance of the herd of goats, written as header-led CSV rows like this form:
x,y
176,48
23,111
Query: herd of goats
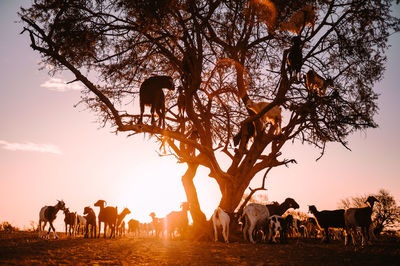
x,y
257,221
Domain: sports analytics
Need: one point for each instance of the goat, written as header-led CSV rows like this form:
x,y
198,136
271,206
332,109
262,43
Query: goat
x,y
178,220
151,94
328,219
246,132
295,58
71,221
221,219
49,214
312,227
273,116
360,217
158,224
181,102
299,20
254,216
277,223
316,82
81,224
108,215
134,227
120,219
275,209
90,220
280,209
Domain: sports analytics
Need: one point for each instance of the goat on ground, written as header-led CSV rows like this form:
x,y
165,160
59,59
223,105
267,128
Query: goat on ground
x,y
133,227
328,219
70,220
360,217
221,219
315,82
90,217
178,221
254,216
272,116
120,219
49,214
151,94
158,224
81,224
277,224
107,215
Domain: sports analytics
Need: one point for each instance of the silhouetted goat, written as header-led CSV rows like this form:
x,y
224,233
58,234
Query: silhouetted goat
x,y
178,220
90,221
120,220
107,215
151,94
295,58
328,219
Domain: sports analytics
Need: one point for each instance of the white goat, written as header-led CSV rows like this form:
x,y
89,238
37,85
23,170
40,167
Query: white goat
x,y
254,215
273,116
49,214
359,217
316,82
81,224
221,219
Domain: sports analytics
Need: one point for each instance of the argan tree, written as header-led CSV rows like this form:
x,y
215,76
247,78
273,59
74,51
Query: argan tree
x,y
222,53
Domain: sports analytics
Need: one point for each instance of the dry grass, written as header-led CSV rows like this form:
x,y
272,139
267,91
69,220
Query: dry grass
x,y
26,248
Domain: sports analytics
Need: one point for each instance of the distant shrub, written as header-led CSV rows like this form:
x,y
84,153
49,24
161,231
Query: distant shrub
x,y
7,227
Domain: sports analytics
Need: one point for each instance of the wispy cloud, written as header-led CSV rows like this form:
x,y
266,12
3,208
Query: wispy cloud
x,y
30,146
60,85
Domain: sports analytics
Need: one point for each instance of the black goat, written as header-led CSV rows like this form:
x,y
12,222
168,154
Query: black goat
x,y
151,94
328,219
295,57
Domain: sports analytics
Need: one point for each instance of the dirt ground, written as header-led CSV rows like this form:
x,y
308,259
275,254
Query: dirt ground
x,y
26,248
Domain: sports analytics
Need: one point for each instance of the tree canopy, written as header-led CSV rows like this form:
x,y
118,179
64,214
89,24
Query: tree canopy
x,y
222,53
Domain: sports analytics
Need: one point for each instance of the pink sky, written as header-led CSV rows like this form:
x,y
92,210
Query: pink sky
x,y
50,150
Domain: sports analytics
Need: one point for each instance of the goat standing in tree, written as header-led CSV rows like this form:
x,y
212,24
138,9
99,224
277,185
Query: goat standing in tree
x,y
295,58
49,214
151,94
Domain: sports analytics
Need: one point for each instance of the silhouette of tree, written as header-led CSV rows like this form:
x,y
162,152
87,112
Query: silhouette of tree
x,y
386,213
222,53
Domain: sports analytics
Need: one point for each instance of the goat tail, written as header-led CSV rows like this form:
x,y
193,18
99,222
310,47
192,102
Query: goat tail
x,y
217,213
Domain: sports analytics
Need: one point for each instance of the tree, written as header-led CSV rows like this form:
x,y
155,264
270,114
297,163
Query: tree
x,y
386,213
222,53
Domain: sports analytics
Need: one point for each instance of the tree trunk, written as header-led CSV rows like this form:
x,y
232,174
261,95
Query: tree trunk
x,y
231,197
191,194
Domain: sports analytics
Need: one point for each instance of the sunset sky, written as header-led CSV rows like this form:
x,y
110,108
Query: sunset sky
x,y
51,150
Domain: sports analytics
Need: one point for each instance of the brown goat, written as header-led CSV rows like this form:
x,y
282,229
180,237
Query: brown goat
x,y
70,220
108,215
120,221
90,220
151,94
